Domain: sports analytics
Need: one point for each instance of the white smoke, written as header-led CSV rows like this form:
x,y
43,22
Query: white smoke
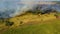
x,y
27,4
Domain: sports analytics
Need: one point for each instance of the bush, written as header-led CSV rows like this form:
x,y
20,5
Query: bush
x,y
9,23
21,22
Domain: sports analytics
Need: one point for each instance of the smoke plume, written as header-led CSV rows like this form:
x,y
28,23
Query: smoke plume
x,y
11,8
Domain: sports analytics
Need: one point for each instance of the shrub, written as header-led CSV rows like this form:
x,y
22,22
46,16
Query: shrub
x,y
21,22
9,23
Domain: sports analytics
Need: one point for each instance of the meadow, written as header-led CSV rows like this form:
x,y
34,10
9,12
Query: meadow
x,y
31,24
45,27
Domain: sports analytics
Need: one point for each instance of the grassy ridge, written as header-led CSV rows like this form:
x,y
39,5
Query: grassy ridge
x,y
31,18
33,24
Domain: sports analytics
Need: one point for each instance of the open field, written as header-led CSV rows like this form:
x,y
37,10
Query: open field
x,y
32,24
29,17
46,27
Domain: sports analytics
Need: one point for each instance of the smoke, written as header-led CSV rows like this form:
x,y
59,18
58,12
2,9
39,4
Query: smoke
x,y
11,8
29,4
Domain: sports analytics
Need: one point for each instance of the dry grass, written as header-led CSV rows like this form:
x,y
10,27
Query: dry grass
x,y
31,18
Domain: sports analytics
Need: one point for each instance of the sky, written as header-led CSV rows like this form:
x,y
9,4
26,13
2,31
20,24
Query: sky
x,y
8,4
20,5
15,3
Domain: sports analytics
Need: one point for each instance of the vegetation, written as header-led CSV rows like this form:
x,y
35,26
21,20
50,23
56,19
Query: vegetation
x,y
32,22
9,23
46,27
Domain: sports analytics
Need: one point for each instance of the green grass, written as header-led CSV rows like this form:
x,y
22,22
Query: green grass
x,y
58,13
47,27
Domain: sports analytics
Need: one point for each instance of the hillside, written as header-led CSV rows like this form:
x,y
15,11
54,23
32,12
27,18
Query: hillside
x,y
46,27
26,18
32,24
29,17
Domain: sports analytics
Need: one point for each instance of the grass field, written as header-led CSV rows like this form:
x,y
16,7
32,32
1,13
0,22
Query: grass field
x,y
46,27
33,25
